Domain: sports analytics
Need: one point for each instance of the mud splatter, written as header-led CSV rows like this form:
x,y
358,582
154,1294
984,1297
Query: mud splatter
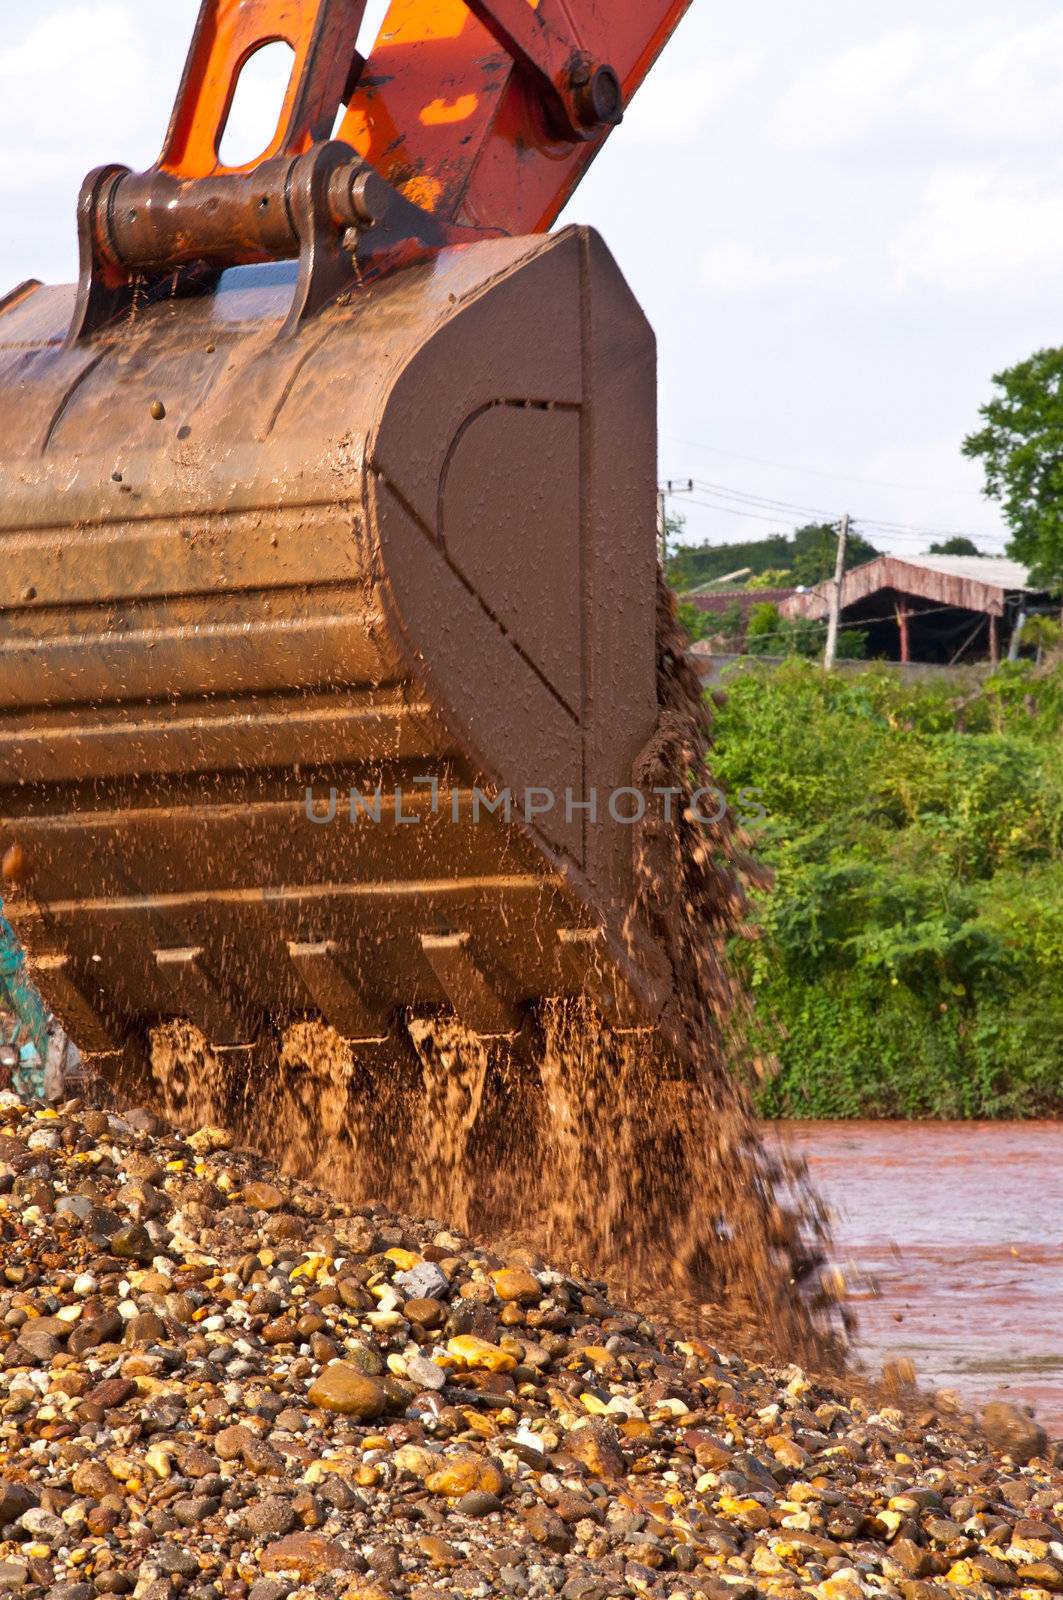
x,y
634,1154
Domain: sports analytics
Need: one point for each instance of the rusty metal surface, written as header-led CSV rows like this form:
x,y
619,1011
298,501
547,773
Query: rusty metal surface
x,y
151,235
414,540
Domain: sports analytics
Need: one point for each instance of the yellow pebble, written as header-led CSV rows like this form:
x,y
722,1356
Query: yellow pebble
x,y
473,1352
308,1269
514,1283
462,1474
596,1407
403,1259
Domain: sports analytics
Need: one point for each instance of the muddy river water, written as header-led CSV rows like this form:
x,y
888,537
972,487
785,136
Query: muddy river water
x,y
951,1237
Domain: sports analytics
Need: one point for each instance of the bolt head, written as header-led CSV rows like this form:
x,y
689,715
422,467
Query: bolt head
x,y
601,99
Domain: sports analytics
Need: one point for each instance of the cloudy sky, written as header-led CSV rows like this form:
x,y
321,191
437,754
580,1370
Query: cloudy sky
x,y
842,220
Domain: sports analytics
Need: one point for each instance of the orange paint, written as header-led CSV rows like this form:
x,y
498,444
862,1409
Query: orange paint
x,y
453,92
418,21
237,28
356,131
423,192
440,111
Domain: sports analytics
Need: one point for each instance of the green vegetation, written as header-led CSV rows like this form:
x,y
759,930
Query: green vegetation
x,y
764,632
1021,448
958,545
909,961
804,557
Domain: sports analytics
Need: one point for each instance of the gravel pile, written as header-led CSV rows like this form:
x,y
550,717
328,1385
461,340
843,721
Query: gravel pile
x,y
217,1381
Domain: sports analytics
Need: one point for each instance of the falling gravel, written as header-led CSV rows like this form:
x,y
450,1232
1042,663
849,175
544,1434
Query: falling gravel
x,y
635,1154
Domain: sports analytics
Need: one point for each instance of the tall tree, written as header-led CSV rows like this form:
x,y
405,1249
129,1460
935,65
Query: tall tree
x,y
1021,450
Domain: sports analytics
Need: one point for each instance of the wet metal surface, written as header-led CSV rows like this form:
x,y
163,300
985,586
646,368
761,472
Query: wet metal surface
x,y
961,1226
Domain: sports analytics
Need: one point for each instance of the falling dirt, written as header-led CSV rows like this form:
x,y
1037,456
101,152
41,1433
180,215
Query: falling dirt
x,y
635,1155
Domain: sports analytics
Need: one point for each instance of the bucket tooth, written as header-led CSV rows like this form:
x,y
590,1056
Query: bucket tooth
x,y
70,995
335,992
577,951
583,970
198,996
466,985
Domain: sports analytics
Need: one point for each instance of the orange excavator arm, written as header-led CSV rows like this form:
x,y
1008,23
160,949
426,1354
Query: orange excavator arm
x,y
470,119
489,112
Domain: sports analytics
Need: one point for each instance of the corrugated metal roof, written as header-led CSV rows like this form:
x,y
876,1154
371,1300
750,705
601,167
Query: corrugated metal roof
x,y
998,571
973,583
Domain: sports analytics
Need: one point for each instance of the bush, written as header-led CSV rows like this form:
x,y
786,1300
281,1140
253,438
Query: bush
x,y
909,960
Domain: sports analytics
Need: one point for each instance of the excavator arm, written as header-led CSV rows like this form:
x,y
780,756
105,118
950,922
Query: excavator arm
x,y
471,118
491,111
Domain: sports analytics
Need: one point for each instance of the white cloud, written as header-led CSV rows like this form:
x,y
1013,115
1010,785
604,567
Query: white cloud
x,y
81,67
676,102
839,100
731,268
1011,86
982,229
922,87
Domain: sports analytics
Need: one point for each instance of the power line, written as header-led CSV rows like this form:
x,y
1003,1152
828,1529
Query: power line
x,y
744,496
719,497
858,623
817,472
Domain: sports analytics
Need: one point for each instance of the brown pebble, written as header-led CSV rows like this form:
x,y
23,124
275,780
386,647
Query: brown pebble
x,y
425,1313
309,1555
342,1388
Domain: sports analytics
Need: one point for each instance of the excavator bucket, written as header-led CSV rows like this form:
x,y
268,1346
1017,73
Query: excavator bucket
x,y
327,516
325,661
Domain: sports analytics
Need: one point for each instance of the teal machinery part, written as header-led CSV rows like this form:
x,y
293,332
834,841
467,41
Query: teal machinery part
x,y
17,994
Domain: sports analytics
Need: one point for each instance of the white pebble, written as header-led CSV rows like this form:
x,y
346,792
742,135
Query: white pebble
x,y
127,1309
85,1283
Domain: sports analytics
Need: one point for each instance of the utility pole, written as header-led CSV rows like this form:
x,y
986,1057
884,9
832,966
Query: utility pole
x,y
836,596
673,486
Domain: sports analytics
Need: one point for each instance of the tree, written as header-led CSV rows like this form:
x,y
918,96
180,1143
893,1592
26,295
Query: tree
x,y
1021,450
806,557
692,619
763,632
958,545
815,550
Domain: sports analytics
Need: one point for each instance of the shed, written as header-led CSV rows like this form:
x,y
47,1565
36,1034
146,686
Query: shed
x,y
928,608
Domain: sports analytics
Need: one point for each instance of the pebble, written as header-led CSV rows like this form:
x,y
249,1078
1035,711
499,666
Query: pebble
x,y
425,1281
341,1387
218,1383
1013,1432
